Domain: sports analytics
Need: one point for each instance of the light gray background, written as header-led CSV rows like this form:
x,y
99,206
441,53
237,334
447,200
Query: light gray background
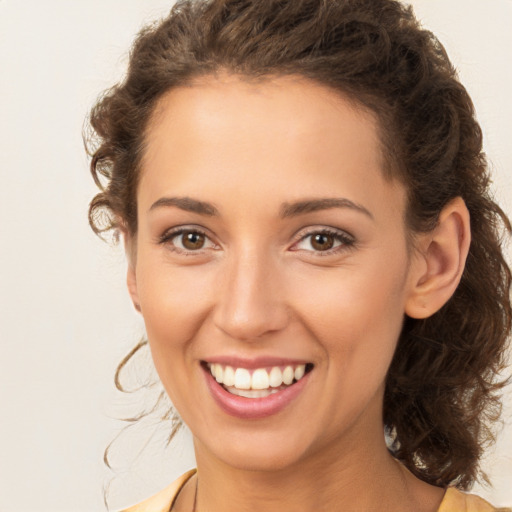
x,y
66,320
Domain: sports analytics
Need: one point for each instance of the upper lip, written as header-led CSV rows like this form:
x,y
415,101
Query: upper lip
x,y
253,363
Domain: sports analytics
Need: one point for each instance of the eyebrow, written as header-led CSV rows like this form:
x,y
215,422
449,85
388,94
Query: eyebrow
x,y
188,204
287,209
314,205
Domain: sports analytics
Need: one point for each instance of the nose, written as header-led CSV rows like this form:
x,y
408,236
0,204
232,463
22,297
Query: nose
x,y
251,299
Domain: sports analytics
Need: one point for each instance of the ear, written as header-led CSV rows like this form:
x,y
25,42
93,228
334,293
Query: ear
x,y
439,261
130,248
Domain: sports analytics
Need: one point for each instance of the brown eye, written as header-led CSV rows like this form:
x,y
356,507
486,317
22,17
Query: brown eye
x,y
322,241
188,241
192,240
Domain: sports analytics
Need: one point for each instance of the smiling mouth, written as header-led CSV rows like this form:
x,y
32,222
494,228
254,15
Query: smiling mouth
x,y
257,382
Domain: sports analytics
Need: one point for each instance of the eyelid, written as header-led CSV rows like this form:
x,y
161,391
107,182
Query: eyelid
x,y
174,232
347,240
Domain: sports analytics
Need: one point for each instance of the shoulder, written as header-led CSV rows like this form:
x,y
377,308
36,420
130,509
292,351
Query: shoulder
x,y
457,501
163,500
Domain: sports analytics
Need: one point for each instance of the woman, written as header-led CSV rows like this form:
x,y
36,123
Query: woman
x,y
304,203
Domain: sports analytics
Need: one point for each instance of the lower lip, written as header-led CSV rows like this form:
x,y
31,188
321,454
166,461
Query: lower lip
x,y
253,408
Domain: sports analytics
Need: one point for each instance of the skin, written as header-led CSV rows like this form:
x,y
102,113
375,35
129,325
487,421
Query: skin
x,y
258,287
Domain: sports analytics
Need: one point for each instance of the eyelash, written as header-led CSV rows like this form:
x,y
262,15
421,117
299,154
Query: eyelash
x,y
169,235
345,240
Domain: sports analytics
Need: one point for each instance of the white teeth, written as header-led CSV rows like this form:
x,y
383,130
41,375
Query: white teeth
x,y
260,383
276,377
288,375
300,371
252,393
260,379
229,376
242,379
219,373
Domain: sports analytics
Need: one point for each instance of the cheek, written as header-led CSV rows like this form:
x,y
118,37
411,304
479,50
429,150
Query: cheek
x,y
360,299
356,315
356,321
174,304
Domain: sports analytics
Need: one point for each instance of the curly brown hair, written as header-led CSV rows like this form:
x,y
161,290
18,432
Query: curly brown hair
x,y
442,390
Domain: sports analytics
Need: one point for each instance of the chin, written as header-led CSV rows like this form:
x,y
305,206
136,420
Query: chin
x,y
260,460
257,452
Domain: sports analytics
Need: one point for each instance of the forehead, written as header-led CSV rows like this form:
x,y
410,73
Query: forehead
x,y
292,107
282,136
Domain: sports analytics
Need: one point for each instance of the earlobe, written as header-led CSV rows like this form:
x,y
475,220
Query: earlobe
x,y
131,275
131,281
439,261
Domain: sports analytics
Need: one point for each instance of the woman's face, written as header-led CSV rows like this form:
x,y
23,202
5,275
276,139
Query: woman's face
x,y
270,243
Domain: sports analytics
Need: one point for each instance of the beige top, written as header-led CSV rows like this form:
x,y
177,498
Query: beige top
x,y
453,501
